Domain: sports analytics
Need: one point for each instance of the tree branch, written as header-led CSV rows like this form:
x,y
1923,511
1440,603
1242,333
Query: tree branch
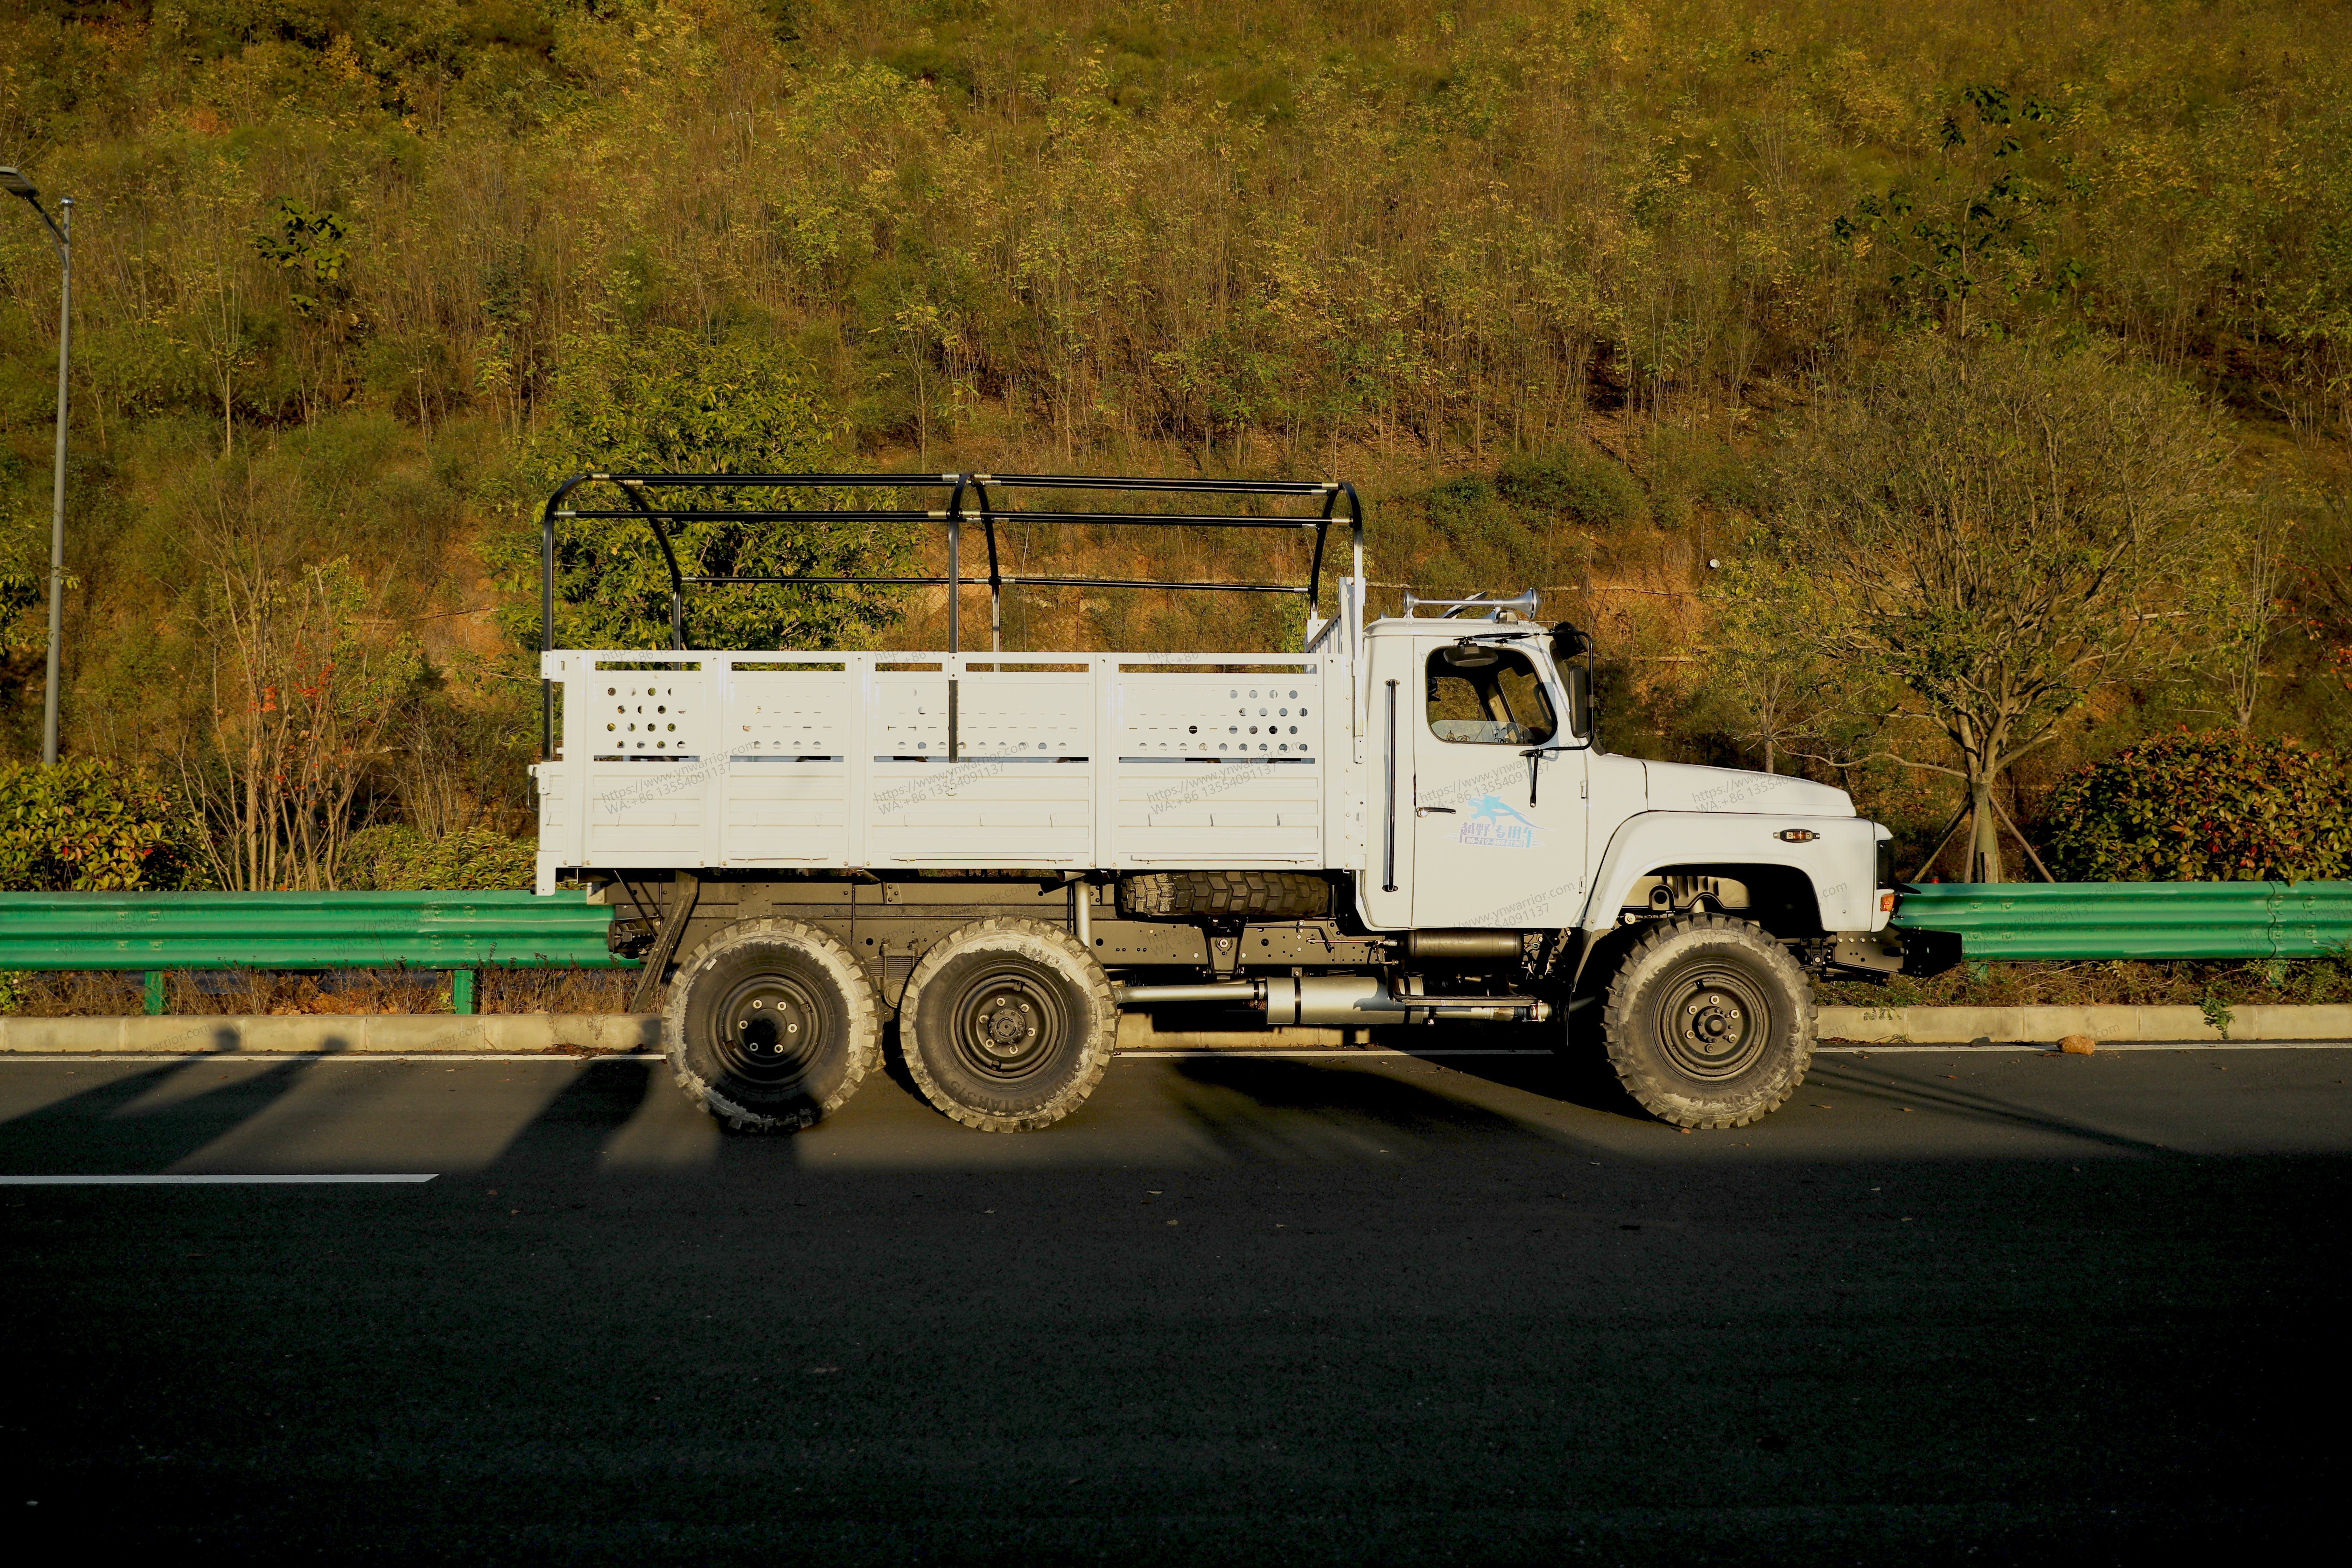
x,y
1949,828
2002,812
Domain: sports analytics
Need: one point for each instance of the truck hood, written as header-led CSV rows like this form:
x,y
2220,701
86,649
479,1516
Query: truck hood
x,y
1679,786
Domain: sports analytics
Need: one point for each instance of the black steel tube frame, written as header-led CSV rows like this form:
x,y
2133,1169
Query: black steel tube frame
x,y
635,486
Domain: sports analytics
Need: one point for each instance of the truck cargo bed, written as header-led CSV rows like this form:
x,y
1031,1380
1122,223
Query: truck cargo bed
x,y
763,760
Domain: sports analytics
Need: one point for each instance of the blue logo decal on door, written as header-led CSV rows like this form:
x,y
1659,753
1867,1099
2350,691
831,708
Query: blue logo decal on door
x,y
1491,825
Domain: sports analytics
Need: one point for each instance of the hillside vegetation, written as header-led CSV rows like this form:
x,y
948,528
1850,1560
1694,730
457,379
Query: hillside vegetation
x,y
1578,294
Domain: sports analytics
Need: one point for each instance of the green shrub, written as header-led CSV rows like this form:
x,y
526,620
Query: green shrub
x,y
1472,541
396,858
88,825
1687,470
1577,481
2204,808
1466,510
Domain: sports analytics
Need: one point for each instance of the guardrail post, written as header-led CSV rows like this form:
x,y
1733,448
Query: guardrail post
x,y
155,991
461,991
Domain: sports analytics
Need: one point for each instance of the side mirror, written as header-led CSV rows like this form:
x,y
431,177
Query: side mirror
x,y
1580,700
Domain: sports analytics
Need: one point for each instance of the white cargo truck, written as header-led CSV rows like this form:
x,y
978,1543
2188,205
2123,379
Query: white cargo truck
x,y
1405,822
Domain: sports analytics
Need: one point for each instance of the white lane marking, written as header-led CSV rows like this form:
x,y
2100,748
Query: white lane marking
x,y
195,1181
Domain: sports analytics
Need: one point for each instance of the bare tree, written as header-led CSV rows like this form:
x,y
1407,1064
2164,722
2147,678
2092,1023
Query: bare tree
x,y
2252,586
2000,529
301,705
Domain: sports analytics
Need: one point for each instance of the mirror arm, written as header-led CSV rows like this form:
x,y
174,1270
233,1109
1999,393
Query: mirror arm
x,y
1535,757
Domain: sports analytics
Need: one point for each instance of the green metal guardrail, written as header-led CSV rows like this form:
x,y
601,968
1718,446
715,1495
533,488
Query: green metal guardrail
x,y
2134,920
460,933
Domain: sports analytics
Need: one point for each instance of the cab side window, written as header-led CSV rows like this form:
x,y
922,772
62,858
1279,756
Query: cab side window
x,y
1481,695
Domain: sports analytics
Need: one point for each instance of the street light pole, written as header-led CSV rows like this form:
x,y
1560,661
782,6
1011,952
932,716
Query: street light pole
x,y
58,492
14,181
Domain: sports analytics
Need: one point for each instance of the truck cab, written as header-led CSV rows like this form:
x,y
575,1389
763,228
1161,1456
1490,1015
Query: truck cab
x,y
1501,808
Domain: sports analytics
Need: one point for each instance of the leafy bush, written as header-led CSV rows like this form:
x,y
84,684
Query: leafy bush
x,y
398,859
1578,482
1466,510
2217,807
88,825
1687,470
1464,538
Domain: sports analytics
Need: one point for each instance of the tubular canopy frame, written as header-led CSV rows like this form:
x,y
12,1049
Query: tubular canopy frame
x,y
969,500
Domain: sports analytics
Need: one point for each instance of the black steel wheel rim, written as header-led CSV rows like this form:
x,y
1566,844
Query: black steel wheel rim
x,y
769,1029
1009,1022
1714,1022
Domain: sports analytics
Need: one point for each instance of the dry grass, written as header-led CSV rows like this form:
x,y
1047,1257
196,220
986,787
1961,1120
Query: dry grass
x,y
2118,983
261,993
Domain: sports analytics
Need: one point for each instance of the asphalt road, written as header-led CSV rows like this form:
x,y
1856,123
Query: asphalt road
x,y
1952,1306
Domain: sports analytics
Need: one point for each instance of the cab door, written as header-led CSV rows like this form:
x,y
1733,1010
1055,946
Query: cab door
x,y
1498,789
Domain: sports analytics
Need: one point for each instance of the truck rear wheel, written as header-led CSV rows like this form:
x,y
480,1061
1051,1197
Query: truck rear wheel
x,y
1709,1023
1007,1024
772,1025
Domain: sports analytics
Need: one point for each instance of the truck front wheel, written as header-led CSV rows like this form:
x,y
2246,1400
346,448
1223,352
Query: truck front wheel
x,y
1709,1023
1007,1024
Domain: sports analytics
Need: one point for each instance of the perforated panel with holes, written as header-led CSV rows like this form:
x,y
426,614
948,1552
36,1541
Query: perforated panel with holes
x,y
910,716
787,713
1219,770
648,773
1026,716
1018,792
1188,715
654,713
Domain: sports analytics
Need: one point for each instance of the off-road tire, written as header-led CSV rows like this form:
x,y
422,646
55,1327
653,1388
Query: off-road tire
x,y
961,1020
732,1054
1189,895
1708,1022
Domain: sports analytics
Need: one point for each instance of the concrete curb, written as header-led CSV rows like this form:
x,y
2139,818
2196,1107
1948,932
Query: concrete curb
x,y
354,1034
555,1033
2024,1025
314,1034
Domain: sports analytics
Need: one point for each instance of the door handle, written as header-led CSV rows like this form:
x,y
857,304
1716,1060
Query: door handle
x,y
1432,810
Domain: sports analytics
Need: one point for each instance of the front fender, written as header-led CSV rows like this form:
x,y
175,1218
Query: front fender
x,y
1840,862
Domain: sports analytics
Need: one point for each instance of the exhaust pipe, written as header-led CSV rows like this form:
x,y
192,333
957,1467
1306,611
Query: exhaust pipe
x,y
1336,999
1240,993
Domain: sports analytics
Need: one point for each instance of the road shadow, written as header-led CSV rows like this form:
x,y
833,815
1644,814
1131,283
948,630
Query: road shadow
x,y
1849,1077
1290,1106
1561,1061
575,1130
1533,1059
105,1128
